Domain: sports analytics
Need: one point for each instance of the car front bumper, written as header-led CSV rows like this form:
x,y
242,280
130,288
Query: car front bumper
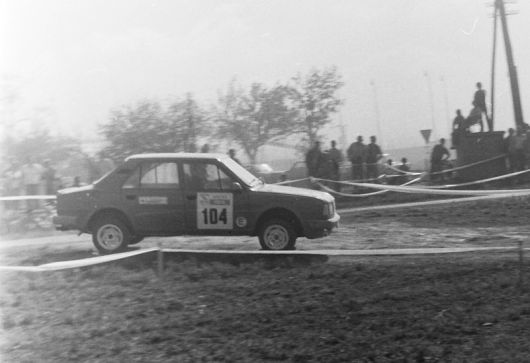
x,y
64,223
321,228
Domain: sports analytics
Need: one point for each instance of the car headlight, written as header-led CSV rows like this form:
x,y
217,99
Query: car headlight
x,y
328,210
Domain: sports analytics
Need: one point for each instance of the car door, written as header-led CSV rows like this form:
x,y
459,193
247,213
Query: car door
x,y
153,197
214,204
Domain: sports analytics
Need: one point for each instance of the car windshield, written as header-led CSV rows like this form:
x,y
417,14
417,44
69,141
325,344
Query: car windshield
x,y
243,174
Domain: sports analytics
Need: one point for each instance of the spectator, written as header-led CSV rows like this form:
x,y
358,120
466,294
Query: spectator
x,y
335,158
439,155
205,148
373,155
459,126
356,155
479,99
232,153
313,160
404,167
475,117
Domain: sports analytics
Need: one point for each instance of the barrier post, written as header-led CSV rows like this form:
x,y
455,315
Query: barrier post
x,y
520,279
160,263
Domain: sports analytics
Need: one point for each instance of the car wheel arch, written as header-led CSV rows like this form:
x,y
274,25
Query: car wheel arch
x,y
282,213
109,212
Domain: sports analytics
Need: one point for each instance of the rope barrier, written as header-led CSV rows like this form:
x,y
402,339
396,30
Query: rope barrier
x,y
331,191
402,172
65,265
500,177
469,165
416,190
28,197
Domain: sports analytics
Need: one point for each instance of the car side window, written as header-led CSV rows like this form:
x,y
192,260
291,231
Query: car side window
x,y
206,176
154,175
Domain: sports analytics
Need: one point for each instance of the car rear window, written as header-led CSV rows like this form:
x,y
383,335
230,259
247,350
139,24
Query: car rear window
x,y
154,175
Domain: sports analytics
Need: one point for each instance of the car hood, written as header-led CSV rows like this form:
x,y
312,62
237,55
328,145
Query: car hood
x,y
302,192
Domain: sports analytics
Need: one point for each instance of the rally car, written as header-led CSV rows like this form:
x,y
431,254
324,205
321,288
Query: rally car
x,y
169,194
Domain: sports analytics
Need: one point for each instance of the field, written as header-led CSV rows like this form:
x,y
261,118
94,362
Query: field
x,y
450,308
455,307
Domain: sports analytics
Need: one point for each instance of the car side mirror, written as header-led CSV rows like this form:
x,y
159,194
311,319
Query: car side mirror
x,y
237,187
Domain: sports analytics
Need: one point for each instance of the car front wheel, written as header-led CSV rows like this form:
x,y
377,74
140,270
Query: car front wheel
x,y
277,234
110,235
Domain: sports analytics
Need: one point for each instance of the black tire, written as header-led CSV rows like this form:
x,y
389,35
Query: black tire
x,y
136,239
110,235
277,234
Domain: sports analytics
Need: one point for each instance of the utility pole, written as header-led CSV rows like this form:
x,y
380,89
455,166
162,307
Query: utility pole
x,y
493,56
512,70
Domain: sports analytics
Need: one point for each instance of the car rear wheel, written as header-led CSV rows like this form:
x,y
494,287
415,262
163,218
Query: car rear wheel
x,y
110,235
277,234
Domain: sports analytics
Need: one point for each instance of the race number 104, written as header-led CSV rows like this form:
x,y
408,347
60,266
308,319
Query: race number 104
x,y
214,216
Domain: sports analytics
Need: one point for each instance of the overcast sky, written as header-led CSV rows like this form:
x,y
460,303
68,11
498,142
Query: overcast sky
x,y
67,63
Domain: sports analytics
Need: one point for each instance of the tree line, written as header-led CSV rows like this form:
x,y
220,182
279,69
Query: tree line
x,y
250,118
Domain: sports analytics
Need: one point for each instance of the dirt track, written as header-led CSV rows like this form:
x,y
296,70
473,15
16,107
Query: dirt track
x,y
464,307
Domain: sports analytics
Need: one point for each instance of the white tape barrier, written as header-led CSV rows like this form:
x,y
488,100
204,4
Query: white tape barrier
x,y
93,261
430,203
400,171
334,192
482,181
65,265
469,165
417,190
28,197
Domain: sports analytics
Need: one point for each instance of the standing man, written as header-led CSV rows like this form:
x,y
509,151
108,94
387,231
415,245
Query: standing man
x,y
373,155
458,128
438,156
480,101
356,155
313,159
405,168
335,158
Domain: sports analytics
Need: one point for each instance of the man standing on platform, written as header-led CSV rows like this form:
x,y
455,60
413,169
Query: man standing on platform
x,y
480,101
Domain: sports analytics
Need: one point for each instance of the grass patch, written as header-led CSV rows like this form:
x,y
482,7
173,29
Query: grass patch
x,y
385,309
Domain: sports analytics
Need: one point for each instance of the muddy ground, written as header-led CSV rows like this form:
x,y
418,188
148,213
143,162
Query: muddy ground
x,y
458,307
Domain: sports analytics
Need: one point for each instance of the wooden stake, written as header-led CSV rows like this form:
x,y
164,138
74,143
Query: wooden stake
x,y
160,263
520,279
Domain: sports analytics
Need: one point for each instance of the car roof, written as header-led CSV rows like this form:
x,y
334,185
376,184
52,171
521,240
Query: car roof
x,y
158,156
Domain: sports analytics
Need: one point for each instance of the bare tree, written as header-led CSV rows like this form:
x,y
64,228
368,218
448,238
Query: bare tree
x,y
314,94
252,119
187,122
